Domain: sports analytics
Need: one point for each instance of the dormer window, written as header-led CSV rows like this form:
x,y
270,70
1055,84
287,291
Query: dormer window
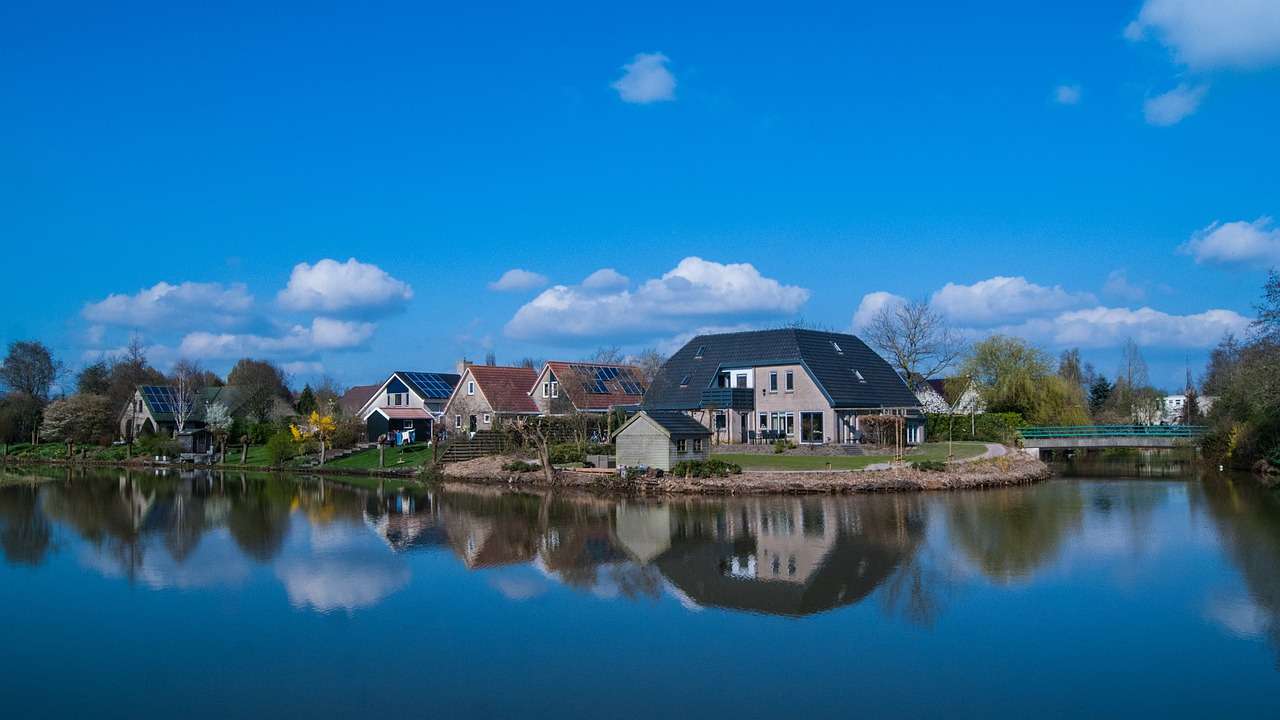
x,y
698,355
859,376
836,345
684,381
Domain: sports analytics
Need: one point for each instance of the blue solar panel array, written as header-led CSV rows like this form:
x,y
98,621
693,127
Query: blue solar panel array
x,y
159,399
598,378
433,385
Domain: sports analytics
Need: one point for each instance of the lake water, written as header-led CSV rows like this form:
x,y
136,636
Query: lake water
x,y
128,594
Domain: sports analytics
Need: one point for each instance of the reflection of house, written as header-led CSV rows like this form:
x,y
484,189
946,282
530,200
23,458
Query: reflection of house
x,y
483,542
406,523
804,385
488,392
564,388
407,401
661,439
933,395
644,531
152,407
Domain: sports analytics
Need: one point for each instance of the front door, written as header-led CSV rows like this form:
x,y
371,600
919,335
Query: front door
x,y
472,423
742,434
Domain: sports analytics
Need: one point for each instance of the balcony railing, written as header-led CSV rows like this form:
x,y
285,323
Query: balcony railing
x,y
729,398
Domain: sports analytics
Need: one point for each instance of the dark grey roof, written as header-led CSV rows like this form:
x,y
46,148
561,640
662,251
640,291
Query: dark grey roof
x,y
834,370
678,424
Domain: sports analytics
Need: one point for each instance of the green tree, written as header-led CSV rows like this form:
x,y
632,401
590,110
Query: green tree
x,y
306,401
94,379
262,383
1099,393
281,448
1014,376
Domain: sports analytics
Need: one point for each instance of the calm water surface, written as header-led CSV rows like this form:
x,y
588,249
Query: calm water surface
x,y
200,595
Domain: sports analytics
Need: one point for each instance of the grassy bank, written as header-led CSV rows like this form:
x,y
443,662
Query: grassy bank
x,y
392,457
928,451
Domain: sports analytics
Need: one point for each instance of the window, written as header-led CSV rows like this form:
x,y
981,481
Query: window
x,y
546,389
764,421
721,422
486,418
791,424
684,381
457,421
555,389
682,445
859,376
811,428
791,380
698,355
773,381
697,445
740,380
471,388
836,345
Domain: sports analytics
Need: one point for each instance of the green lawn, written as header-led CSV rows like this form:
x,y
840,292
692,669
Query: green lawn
x,y
928,451
392,456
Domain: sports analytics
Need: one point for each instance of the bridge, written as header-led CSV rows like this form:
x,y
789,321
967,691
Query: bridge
x,y
1110,436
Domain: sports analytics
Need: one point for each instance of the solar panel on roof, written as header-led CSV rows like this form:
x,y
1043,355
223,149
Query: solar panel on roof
x,y
431,383
632,387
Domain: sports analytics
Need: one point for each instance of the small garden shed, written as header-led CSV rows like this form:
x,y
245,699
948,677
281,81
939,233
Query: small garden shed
x,y
661,439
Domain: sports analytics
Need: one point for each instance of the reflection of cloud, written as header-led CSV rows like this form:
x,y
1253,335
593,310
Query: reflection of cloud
x,y
518,587
1240,616
213,564
347,582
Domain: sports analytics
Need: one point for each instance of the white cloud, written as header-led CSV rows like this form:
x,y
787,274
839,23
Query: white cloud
x,y
605,279
1208,34
323,334
1236,243
1109,327
517,279
998,299
303,367
871,305
333,287
646,80
1067,94
695,288
1172,107
1118,286
164,305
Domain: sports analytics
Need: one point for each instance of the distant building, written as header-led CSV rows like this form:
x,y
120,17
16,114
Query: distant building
x,y
806,386
407,402
564,388
1175,405
486,393
151,409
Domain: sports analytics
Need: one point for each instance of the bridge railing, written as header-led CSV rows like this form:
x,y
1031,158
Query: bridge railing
x,y
1112,431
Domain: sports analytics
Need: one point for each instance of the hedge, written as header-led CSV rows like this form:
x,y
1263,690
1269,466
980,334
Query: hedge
x,y
987,427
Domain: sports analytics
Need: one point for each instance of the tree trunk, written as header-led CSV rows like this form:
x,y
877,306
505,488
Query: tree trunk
x,y
322,451
544,455
381,448
244,453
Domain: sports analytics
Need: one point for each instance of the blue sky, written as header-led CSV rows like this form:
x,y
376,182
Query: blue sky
x,y
1076,174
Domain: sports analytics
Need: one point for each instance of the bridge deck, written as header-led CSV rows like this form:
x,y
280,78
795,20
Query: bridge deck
x,y
1104,436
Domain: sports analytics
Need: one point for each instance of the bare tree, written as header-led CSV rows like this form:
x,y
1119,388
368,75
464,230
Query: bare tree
x,y
915,339
607,355
188,380
535,432
649,361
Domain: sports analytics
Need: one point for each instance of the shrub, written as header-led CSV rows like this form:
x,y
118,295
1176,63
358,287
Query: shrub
x,y
929,465
599,449
705,468
780,446
351,432
987,427
260,433
158,445
520,466
281,448
566,453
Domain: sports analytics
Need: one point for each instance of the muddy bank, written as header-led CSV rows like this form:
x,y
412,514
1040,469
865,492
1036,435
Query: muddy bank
x,y
1014,469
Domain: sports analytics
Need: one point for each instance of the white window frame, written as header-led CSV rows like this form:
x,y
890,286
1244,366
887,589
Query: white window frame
x,y
546,389
791,381
457,421
555,389
471,387
487,419
773,381
697,445
682,446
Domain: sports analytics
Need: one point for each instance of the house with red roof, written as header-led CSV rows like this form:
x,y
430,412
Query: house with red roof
x,y
486,393
565,388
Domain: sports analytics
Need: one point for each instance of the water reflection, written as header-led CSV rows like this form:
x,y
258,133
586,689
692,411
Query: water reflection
x,y
1247,519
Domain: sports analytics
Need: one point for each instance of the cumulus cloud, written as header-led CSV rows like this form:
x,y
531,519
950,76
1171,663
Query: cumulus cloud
x,y
1118,286
1172,107
333,287
1236,243
605,279
1000,298
517,279
323,334
871,305
166,305
1110,326
1202,34
1067,94
694,289
646,79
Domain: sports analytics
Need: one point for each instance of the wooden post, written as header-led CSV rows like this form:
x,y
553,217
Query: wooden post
x,y
380,457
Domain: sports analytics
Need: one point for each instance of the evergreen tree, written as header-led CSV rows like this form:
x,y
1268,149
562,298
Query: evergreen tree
x,y
306,401
1099,393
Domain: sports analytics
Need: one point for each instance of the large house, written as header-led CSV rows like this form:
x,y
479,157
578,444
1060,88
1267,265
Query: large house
x,y
806,386
407,403
564,388
151,410
486,393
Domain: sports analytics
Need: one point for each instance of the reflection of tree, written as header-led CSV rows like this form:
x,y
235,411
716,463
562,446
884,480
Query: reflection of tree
x,y
1248,521
1010,532
24,530
259,518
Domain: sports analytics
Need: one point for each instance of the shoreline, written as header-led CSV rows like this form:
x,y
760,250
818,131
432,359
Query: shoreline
x,y
1004,471
400,474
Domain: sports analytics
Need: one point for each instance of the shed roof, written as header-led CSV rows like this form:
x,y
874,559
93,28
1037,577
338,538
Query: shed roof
x,y
675,424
